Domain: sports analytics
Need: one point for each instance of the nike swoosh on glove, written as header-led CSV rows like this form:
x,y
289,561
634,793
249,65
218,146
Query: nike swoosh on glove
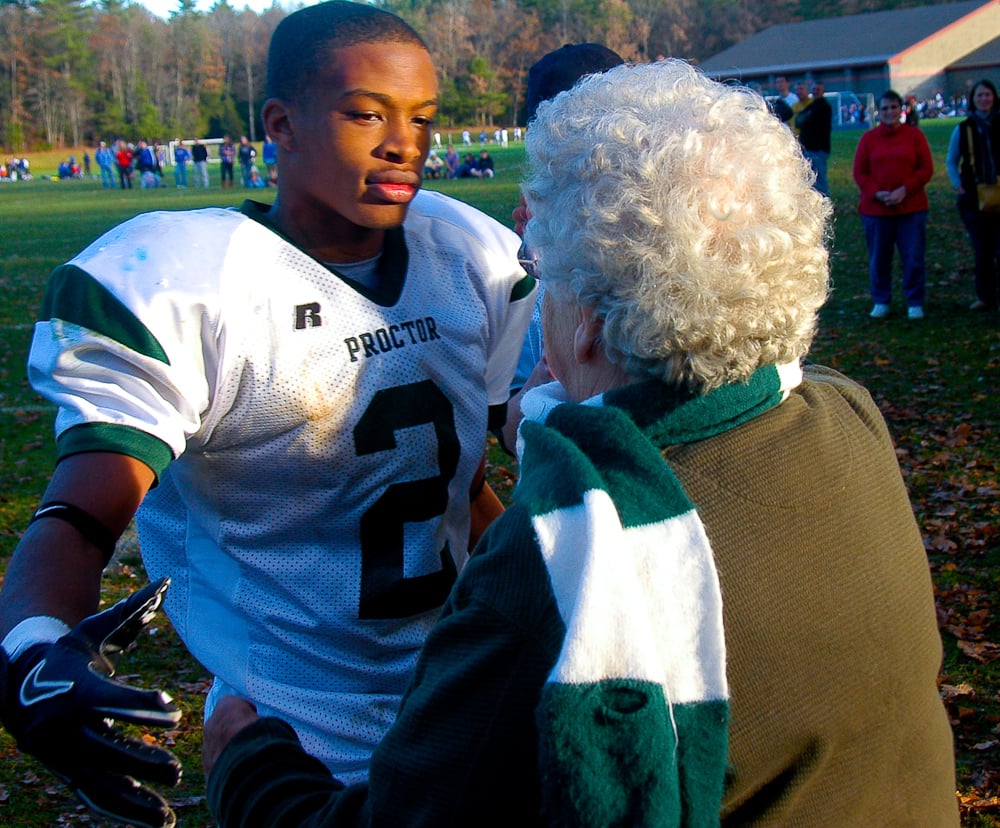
x,y
59,701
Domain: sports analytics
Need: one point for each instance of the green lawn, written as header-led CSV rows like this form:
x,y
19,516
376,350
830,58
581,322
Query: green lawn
x,y
937,382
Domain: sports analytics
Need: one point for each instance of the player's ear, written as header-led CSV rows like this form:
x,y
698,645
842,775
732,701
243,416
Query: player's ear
x,y
278,123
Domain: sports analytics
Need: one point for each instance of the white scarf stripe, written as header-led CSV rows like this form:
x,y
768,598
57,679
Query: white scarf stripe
x,y
789,377
641,603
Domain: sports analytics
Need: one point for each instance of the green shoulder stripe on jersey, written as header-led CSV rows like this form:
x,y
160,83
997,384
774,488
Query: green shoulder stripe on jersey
x,y
74,296
583,448
118,439
523,288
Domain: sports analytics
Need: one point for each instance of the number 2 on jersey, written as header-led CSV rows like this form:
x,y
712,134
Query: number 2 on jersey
x,y
385,591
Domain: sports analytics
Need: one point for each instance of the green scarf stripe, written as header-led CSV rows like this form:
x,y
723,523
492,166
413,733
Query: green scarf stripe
x,y
582,448
77,298
615,753
561,473
670,416
704,753
119,439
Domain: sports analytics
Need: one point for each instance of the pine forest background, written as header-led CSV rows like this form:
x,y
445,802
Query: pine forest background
x,y
74,72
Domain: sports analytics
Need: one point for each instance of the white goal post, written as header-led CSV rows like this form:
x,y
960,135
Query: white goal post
x,y
209,143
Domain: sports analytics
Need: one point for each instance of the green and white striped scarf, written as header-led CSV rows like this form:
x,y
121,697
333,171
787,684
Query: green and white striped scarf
x,y
633,719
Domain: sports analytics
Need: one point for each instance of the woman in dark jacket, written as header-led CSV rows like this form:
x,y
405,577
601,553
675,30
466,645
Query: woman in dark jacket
x,y
973,159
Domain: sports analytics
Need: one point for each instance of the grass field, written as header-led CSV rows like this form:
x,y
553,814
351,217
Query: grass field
x,y
937,382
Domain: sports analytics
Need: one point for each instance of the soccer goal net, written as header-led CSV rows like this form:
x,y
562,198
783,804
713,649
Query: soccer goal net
x,y
211,144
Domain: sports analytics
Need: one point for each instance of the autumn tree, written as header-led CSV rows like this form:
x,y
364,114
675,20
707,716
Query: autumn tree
x,y
73,71
251,49
14,68
189,59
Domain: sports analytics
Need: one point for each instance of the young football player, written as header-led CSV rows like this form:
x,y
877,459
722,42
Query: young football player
x,y
296,400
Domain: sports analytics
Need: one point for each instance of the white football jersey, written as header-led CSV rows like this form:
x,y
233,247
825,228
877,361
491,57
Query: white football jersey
x,y
323,439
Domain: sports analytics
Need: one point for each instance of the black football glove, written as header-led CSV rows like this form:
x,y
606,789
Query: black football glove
x,y
59,702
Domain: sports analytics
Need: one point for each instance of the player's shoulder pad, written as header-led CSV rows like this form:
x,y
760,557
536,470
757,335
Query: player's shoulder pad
x,y
444,218
155,253
167,229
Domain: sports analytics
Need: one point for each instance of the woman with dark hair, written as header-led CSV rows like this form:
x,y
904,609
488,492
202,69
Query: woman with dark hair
x,y
972,159
892,167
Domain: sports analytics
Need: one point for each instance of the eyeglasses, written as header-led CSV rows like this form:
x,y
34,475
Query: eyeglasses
x,y
528,261
530,266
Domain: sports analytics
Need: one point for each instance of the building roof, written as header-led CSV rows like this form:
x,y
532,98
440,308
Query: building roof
x,y
855,40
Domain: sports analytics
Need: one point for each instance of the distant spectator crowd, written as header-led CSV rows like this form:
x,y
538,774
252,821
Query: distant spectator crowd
x,y
454,165
123,164
15,169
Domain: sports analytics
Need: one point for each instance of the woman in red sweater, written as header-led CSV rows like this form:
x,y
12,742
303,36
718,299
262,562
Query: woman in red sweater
x,y
892,167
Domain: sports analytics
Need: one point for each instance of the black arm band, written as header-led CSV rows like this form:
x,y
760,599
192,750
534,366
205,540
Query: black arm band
x,y
89,527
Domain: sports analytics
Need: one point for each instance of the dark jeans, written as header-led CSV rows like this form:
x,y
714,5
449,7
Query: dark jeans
x,y
819,161
984,235
907,233
125,177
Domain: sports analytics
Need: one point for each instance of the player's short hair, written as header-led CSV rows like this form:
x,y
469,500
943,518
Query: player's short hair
x,y
683,213
302,46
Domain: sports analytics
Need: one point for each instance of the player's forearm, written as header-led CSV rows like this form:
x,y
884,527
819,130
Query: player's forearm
x,y
484,509
56,568
484,505
231,715
53,572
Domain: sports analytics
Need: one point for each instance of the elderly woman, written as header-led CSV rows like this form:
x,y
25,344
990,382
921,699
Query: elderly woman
x,y
710,598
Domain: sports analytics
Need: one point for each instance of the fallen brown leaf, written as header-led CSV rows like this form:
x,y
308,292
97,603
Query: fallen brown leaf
x,y
984,652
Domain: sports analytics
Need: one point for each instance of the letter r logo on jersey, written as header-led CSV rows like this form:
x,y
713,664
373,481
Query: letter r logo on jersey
x,y
307,316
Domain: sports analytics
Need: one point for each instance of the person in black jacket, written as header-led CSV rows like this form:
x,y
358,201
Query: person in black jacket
x,y
484,166
815,123
971,160
199,154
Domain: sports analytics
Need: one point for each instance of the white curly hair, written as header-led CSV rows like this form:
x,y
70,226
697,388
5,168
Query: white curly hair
x,y
682,211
